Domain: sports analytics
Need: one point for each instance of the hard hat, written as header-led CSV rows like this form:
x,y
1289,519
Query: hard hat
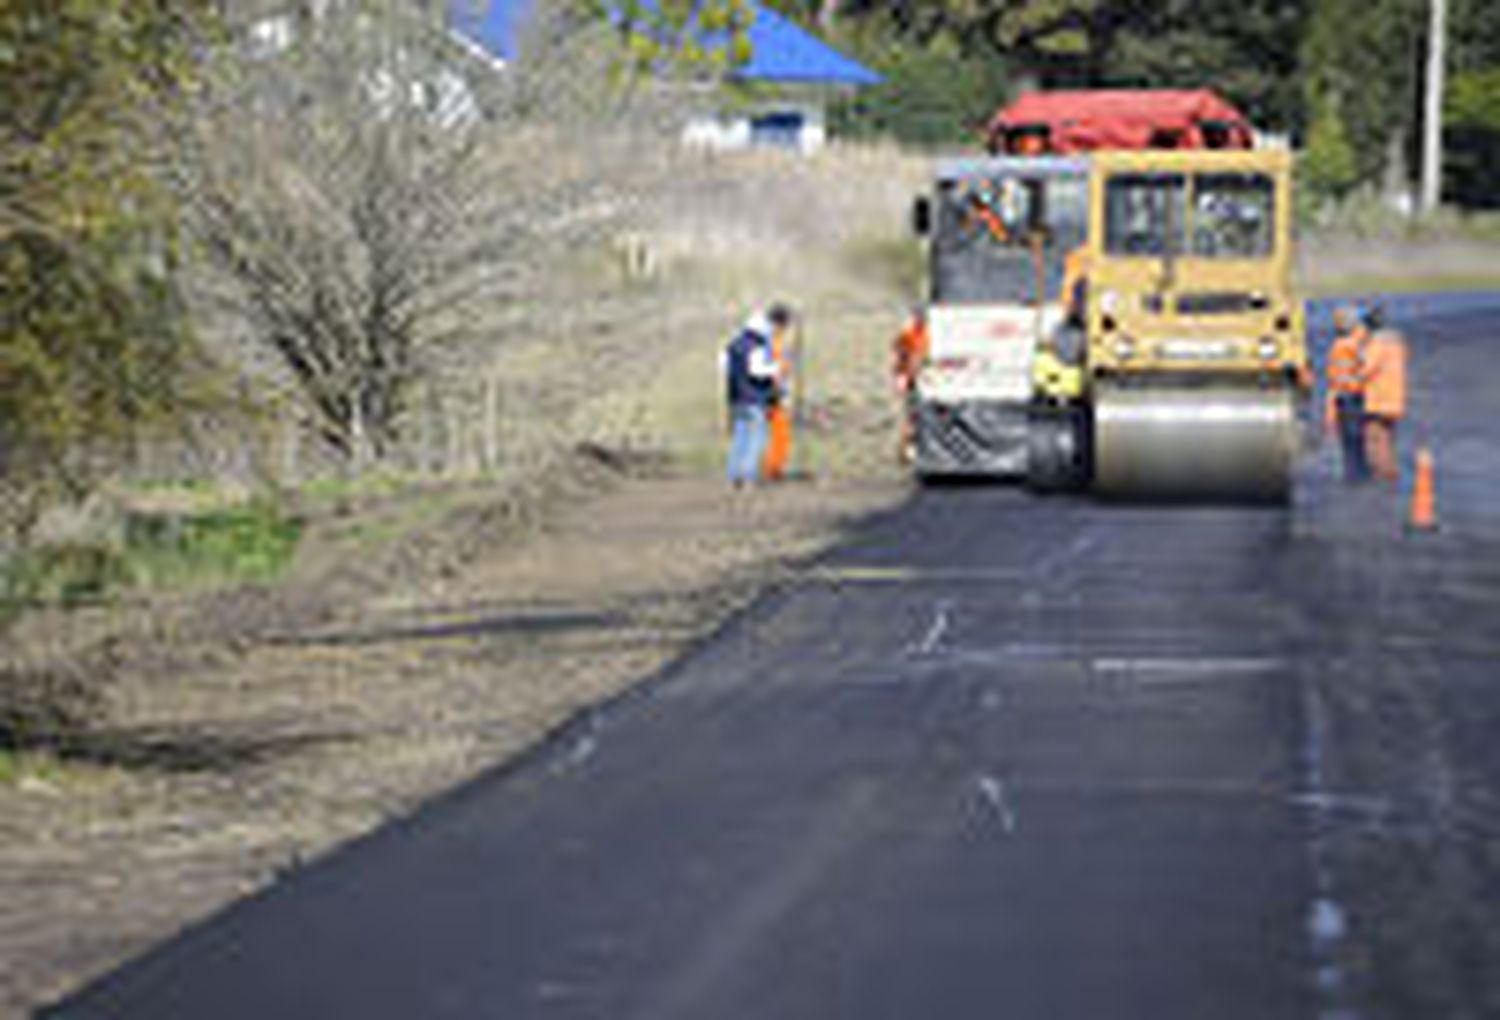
x,y
759,323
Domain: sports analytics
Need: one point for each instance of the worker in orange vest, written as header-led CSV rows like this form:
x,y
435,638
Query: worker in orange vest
x,y
779,416
1345,408
1385,395
1075,285
908,354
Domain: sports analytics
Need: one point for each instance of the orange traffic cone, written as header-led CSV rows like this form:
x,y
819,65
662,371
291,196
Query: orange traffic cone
x,y
1422,515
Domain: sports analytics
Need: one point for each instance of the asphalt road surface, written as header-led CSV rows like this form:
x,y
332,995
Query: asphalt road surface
x,y
998,757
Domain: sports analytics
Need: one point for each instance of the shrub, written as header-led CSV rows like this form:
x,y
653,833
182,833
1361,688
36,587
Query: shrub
x,y
930,97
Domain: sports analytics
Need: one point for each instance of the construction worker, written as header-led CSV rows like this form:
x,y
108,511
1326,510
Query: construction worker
x,y
984,208
750,388
1385,395
908,354
779,414
1075,285
1345,407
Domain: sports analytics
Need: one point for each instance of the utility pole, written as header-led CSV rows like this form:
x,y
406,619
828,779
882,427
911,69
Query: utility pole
x,y
1432,113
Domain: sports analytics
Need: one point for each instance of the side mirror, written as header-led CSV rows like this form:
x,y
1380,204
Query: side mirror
x,y
921,216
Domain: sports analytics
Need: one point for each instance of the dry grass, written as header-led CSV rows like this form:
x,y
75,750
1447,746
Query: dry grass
x,y
1332,265
827,235
243,730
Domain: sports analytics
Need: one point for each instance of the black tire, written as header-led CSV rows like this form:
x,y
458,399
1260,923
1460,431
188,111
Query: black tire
x,y
1056,451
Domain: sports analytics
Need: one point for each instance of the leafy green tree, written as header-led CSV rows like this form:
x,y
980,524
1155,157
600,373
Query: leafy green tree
x,y
695,37
1472,121
91,342
1328,167
1035,35
1474,34
1474,100
1245,51
929,97
1364,56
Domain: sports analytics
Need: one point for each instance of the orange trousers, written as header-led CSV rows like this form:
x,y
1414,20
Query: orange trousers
x,y
1380,446
778,443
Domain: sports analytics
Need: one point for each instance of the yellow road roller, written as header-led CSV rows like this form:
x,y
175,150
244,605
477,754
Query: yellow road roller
x,y
1191,371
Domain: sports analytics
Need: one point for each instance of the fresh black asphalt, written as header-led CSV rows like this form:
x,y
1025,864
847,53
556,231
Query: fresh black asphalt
x,y
999,756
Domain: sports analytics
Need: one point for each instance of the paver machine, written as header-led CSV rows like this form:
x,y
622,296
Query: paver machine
x,y
998,231
1174,364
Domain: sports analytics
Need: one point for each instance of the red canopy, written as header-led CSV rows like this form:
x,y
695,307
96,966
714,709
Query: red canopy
x,y
1081,121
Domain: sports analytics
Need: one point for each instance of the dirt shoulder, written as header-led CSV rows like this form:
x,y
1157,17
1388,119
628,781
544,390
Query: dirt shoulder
x,y
249,732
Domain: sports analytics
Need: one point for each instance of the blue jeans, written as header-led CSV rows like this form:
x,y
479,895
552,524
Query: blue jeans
x,y
1351,416
747,441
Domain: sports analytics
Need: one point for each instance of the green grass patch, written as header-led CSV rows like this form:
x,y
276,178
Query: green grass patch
x,y
69,574
321,492
252,542
18,765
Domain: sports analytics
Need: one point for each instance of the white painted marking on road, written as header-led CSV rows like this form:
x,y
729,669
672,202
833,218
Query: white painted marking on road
x,y
1371,808
1195,666
1073,552
584,746
908,575
583,750
936,629
994,792
1327,922
1010,653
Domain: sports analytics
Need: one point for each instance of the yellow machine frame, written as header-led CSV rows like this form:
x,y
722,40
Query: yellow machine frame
x,y
1135,322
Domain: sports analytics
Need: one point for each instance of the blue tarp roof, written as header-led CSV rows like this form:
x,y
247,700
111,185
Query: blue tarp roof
x,y
780,51
493,24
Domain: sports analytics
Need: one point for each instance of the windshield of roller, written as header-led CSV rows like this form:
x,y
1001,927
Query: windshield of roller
x,y
1208,215
996,237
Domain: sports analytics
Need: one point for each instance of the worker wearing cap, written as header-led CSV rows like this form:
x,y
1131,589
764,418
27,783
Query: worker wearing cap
x,y
750,388
779,414
1345,409
1385,395
908,354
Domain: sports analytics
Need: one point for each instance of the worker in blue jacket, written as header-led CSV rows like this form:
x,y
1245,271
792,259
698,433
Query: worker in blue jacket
x,y
751,388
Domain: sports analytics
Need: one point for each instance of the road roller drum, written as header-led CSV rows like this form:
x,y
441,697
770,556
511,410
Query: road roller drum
x,y
1225,440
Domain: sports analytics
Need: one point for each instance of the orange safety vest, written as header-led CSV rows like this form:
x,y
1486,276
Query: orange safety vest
x,y
1346,362
778,449
909,350
1074,281
1385,375
980,209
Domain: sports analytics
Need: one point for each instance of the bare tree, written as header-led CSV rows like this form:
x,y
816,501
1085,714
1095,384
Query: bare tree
x,y
368,190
